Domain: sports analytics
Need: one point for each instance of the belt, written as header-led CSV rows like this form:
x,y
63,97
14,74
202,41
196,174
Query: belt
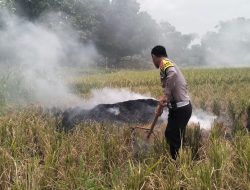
x,y
178,104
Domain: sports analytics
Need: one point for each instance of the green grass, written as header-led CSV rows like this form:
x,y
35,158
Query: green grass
x,y
34,155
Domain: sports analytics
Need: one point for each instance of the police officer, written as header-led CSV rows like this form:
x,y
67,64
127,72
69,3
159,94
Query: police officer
x,y
175,97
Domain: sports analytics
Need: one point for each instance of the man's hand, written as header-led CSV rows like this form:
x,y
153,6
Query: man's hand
x,y
159,110
163,101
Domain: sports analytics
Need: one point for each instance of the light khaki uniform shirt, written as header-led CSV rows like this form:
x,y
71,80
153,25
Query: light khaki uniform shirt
x,y
173,82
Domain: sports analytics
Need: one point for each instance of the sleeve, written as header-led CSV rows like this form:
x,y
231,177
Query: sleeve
x,y
165,65
169,81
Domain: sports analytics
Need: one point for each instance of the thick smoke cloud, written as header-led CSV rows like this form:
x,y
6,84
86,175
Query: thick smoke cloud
x,y
229,46
39,53
124,35
226,46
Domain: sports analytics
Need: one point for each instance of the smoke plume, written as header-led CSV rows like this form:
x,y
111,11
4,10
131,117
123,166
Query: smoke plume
x,y
111,96
203,119
39,52
228,46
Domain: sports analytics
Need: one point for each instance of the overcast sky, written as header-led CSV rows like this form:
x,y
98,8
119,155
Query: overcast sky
x,y
195,16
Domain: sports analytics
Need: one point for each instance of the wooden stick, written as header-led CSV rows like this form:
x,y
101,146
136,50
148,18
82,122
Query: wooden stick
x,y
152,126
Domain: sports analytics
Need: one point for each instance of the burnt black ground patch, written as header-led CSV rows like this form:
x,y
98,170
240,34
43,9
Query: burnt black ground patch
x,y
132,111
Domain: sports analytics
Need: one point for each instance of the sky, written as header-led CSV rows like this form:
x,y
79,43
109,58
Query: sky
x,y
195,16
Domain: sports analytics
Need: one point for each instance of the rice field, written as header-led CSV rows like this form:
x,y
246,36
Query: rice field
x,y
35,155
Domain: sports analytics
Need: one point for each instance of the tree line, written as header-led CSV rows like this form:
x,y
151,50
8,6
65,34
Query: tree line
x,y
118,29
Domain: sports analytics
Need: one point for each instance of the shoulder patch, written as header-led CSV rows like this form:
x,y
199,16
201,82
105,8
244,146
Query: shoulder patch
x,y
165,64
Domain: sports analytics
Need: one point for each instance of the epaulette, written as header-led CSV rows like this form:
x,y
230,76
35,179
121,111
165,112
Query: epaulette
x,y
165,64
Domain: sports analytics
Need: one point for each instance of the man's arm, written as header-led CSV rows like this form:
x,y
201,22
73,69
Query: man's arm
x,y
169,83
168,71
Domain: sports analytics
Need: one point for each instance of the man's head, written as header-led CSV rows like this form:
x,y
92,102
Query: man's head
x,y
157,53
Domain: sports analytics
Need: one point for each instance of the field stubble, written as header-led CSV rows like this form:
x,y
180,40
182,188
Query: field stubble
x,y
34,155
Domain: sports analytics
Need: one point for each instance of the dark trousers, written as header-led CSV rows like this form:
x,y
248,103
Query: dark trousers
x,y
175,131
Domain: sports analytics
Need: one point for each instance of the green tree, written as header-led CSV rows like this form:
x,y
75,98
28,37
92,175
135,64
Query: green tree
x,y
83,15
7,4
125,31
176,43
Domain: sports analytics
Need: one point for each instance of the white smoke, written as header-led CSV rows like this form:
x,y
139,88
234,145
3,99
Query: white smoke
x,y
229,45
111,96
115,111
203,119
38,52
